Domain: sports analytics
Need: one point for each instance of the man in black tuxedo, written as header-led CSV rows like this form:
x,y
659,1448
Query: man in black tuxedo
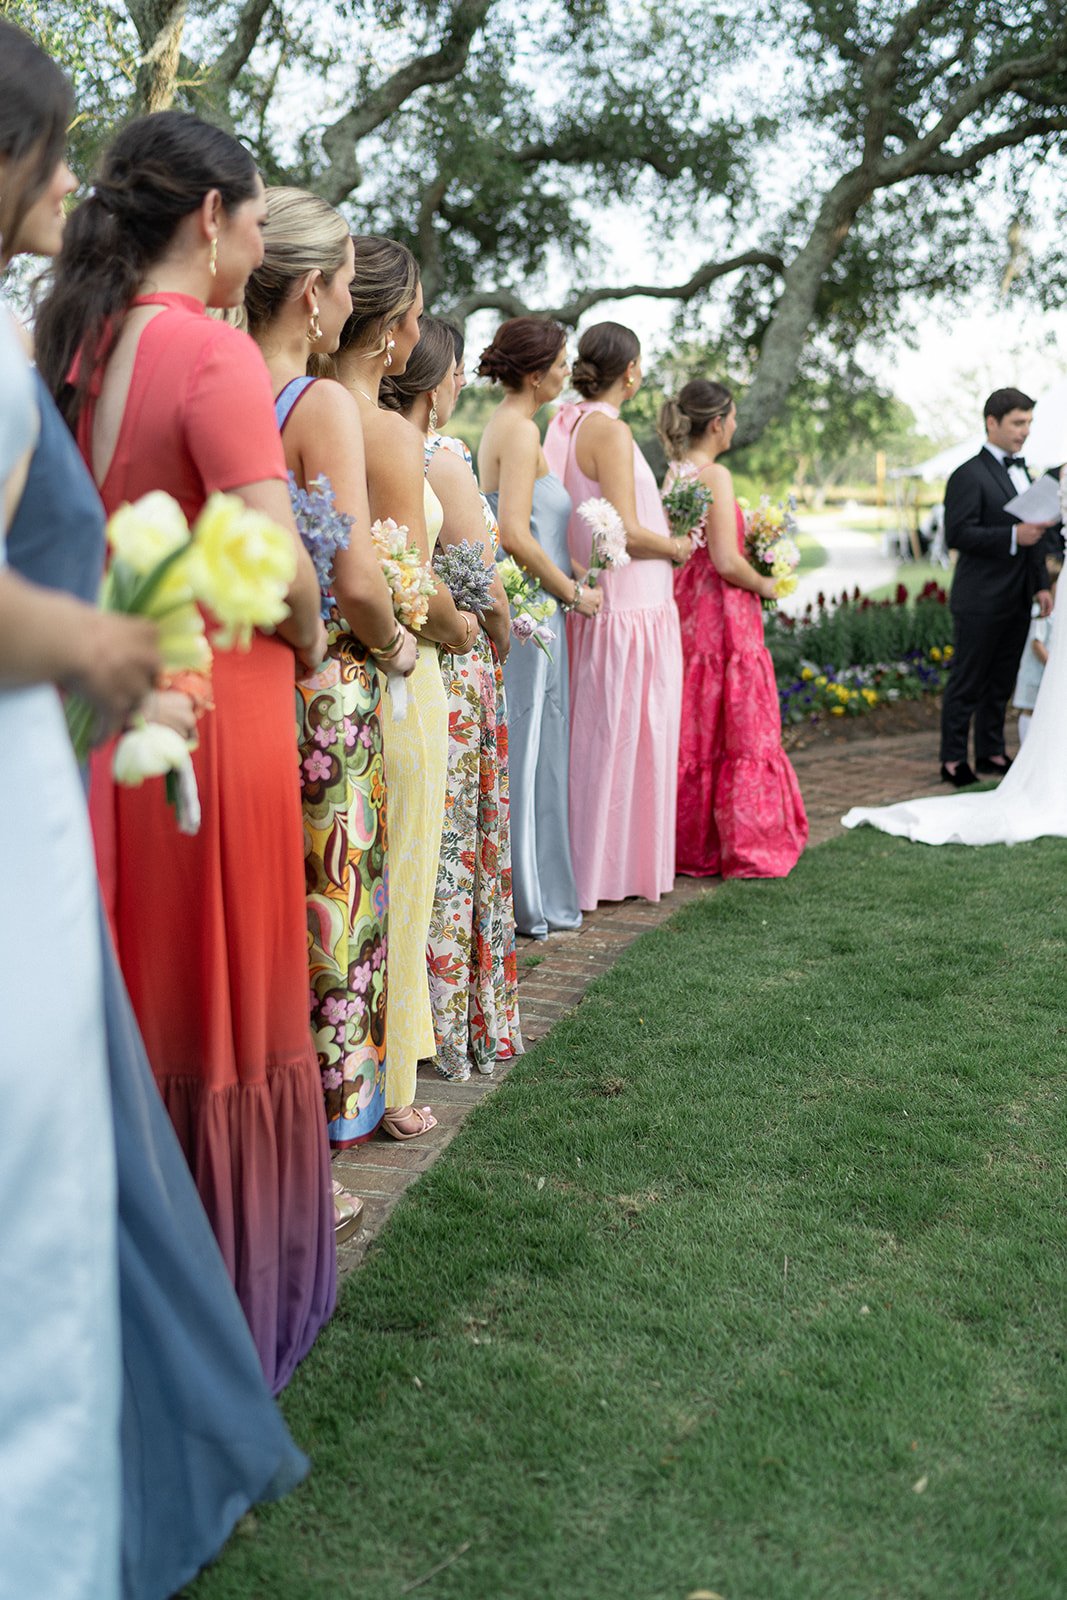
x,y
1001,568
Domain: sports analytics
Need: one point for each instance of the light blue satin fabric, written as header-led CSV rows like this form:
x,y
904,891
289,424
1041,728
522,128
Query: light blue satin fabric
x,y
538,700
59,1336
201,1438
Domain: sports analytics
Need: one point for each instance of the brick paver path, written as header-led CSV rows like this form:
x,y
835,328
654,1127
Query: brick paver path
x,y
555,972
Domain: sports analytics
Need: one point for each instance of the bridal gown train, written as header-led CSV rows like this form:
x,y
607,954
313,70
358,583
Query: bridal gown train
x,y
1030,802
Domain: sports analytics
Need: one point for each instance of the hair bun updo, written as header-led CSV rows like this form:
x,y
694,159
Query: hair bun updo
x,y
520,347
685,418
604,353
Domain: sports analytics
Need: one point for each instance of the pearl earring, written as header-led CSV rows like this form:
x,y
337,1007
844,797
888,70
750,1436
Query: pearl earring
x,y
390,346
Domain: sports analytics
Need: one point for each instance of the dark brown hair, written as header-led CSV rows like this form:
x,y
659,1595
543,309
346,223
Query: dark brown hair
x,y
155,174
604,353
521,346
384,286
427,365
684,419
1001,401
36,107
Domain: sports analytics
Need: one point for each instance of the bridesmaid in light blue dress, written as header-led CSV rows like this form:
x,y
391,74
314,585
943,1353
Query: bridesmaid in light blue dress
x,y
137,1428
59,1348
528,356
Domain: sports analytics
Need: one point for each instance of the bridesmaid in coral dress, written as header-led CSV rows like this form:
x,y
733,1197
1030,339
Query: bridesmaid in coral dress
x,y
626,664
740,814
210,929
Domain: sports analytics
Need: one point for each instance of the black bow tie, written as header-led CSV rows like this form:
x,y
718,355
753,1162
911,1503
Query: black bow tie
x,y
1015,461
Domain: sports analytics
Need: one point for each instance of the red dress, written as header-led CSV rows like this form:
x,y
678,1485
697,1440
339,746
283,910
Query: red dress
x,y
211,930
740,814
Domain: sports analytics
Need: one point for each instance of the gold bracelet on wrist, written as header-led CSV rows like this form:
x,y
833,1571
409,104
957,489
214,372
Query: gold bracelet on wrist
x,y
388,651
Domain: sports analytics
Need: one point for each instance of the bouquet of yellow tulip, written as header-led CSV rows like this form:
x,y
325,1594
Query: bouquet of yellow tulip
x,y
411,583
237,563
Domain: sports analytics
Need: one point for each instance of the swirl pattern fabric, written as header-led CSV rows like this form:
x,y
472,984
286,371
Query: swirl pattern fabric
x,y
342,782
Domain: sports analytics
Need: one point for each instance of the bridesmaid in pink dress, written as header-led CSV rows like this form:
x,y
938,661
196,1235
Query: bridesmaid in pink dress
x,y
626,664
740,814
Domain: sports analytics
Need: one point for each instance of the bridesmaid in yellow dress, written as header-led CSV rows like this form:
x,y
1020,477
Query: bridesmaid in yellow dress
x,y
378,338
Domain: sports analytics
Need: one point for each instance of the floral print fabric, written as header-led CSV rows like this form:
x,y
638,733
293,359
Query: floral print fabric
x,y
342,778
473,967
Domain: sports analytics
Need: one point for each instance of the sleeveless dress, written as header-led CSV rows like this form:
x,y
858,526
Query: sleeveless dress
x,y
473,968
211,929
59,1334
740,814
201,1438
416,762
626,694
342,787
539,736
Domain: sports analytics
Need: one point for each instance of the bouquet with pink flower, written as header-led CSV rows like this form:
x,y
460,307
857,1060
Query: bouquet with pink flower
x,y
530,605
411,583
771,547
686,503
609,537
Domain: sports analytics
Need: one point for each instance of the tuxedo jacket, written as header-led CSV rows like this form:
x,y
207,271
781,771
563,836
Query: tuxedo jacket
x,y
989,581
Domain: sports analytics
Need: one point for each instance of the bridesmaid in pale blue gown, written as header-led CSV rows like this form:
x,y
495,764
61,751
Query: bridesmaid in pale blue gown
x,y
59,1337
528,356
201,1439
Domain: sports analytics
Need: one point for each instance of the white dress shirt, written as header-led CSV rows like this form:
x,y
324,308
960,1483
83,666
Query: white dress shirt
x,y
1019,479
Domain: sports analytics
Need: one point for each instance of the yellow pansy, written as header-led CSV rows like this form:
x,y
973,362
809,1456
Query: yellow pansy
x,y
807,674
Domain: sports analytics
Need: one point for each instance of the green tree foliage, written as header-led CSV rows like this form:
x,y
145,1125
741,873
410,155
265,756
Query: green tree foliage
x,y
822,161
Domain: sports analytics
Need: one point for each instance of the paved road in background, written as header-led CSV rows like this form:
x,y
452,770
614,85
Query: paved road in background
x,y
852,558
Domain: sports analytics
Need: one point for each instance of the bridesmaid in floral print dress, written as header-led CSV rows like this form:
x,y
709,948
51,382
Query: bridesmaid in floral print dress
x,y
473,971
296,304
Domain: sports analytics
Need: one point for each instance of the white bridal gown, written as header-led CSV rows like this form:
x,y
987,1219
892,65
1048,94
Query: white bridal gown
x,y
1029,803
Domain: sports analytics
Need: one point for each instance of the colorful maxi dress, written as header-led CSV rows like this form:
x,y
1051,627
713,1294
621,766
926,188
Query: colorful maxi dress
x,y
342,784
471,955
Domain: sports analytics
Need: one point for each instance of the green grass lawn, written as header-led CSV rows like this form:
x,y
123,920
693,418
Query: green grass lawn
x,y
812,553
751,1279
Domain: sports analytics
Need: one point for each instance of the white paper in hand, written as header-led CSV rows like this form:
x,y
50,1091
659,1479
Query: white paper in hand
x,y
1039,503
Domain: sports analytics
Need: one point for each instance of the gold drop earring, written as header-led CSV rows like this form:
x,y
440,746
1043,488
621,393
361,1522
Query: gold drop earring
x,y
433,413
314,328
213,258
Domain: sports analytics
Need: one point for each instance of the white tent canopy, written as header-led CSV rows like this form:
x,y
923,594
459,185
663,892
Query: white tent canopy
x,y
1046,446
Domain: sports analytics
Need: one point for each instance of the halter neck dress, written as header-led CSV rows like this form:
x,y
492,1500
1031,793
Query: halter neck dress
x,y
626,695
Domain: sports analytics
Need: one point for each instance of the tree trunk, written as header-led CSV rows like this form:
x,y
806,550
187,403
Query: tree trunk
x,y
786,336
160,24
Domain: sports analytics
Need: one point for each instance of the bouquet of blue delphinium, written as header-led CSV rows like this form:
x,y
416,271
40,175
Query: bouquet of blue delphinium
x,y
686,503
463,571
323,528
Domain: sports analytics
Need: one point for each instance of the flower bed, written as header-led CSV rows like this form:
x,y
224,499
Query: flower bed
x,y
843,659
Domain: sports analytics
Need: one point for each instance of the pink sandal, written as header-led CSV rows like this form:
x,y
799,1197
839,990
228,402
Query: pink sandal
x,y
392,1122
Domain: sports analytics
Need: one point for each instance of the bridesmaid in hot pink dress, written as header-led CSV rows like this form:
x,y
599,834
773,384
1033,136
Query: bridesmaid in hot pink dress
x,y
625,664
740,814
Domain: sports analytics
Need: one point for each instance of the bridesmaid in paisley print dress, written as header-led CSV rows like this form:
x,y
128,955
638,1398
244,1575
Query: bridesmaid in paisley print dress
x,y
740,814
297,303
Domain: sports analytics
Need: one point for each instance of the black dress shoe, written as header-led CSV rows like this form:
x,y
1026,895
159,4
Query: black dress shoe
x,y
959,779
996,769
